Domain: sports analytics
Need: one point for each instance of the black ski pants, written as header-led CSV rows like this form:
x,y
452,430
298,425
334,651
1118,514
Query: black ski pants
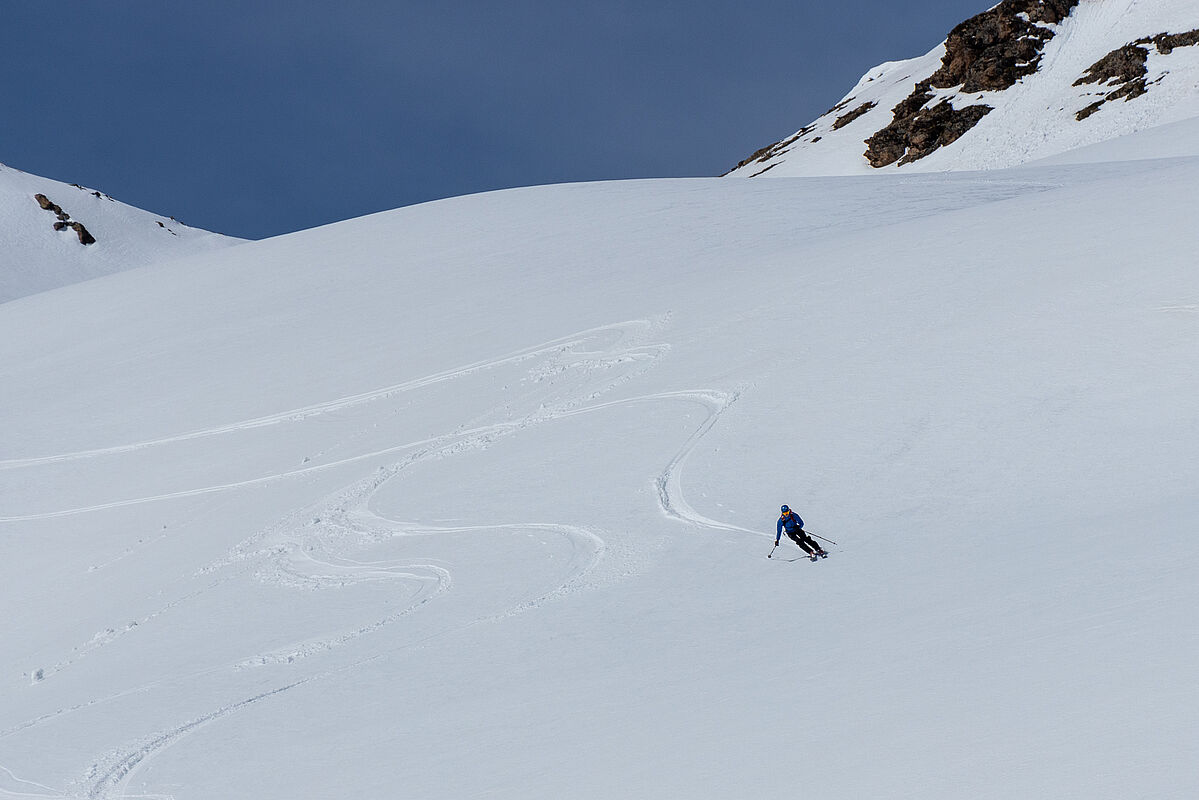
x,y
805,542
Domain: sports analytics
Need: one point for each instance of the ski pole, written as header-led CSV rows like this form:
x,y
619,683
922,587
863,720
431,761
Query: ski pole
x,y
818,536
771,553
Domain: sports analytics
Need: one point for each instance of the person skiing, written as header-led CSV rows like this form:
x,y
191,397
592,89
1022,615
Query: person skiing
x,y
790,522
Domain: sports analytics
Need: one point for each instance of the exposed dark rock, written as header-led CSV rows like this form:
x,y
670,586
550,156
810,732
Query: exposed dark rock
x,y
82,233
1124,68
1166,42
1122,65
845,119
766,153
994,49
769,151
64,219
913,134
757,155
764,169
45,203
843,104
1089,110
988,52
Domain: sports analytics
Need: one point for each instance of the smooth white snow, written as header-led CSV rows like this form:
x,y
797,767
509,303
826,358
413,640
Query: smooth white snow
x,y
474,499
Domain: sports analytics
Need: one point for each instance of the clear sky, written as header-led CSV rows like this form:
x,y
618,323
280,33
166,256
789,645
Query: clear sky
x,y
259,118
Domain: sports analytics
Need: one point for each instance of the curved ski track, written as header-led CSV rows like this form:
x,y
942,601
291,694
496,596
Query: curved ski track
x,y
314,546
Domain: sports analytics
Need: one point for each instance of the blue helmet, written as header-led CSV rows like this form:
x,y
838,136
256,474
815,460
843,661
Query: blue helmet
x,y
785,509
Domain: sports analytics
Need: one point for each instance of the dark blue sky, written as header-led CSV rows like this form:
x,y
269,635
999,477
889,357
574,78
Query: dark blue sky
x,y
260,118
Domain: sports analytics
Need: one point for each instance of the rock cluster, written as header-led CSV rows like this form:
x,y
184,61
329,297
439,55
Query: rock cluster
x,y
845,119
988,52
991,51
64,219
1124,68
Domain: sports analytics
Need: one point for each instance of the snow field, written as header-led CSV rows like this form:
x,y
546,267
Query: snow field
x,y
474,498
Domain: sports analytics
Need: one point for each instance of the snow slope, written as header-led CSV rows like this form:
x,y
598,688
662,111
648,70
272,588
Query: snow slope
x,y
34,257
1034,119
474,499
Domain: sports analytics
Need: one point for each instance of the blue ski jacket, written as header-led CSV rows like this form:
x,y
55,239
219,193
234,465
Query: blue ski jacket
x,y
791,521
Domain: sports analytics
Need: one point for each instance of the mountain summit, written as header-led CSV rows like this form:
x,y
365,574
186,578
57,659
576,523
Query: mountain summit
x,y
1025,79
54,234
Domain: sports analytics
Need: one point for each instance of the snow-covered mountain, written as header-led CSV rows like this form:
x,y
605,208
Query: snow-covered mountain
x,y
475,498
1023,80
53,234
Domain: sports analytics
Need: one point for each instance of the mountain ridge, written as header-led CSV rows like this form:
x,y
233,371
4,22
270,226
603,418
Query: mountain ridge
x,y
1023,80
56,233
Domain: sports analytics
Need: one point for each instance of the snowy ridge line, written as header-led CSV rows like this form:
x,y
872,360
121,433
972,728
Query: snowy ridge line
x,y
300,414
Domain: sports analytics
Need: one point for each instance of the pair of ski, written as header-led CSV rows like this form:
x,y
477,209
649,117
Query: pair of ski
x,y
810,556
813,557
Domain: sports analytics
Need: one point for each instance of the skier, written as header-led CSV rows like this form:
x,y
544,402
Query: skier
x,y
791,522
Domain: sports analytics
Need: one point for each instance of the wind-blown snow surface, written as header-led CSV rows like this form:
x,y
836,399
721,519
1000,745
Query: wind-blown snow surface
x,y
35,258
474,499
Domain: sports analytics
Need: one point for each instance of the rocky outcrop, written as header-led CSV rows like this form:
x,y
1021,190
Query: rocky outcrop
x,y
64,219
1125,68
845,119
46,204
988,52
772,150
913,134
991,51
82,233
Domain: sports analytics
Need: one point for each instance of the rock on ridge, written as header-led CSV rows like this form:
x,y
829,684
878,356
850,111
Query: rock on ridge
x,y
1125,68
989,52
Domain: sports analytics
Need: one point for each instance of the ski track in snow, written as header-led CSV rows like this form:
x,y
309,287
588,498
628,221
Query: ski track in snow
x,y
9,779
314,547
107,775
300,414
337,520
441,445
